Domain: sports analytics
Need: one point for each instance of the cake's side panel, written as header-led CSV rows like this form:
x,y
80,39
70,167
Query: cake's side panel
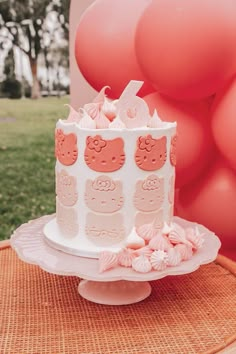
x,y
114,183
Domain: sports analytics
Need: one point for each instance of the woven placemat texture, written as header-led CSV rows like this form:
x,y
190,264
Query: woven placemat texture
x,y
43,313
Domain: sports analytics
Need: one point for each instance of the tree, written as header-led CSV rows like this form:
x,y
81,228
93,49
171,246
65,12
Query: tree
x,y
27,25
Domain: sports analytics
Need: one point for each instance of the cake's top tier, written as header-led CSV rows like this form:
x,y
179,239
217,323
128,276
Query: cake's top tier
x,y
129,112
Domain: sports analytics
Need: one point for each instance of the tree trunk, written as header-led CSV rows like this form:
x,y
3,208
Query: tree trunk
x,y
35,93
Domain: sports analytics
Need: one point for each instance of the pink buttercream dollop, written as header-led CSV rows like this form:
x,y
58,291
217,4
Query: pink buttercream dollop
x,y
159,260
93,109
107,260
87,122
145,251
141,264
100,98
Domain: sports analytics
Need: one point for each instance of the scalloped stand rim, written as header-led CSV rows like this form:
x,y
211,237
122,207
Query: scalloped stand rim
x,y
121,292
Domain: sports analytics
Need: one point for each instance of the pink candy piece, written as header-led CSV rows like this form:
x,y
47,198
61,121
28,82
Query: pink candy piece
x,y
160,242
74,116
125,257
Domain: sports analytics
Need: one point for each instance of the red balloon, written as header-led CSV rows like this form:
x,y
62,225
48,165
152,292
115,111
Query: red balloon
x,y
224,122
104,46
195,143
186,49
211,201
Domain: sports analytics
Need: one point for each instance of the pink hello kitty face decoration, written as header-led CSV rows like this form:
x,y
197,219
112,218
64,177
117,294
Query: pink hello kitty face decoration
x,y
67,220
66,188
104,195
149,194
105,230
173,150
155,218
150,153
66,147
104,155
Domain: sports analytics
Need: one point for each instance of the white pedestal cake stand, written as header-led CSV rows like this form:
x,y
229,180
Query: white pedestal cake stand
x,y
117,286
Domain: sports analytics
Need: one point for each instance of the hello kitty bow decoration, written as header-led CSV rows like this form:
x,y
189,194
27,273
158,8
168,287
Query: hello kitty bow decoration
x,y
133,110
103,183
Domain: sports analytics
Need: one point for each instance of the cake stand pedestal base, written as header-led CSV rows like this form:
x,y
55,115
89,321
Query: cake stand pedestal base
x,y
121,292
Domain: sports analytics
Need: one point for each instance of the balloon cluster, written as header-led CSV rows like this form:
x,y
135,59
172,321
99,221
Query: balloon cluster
x,y
185,52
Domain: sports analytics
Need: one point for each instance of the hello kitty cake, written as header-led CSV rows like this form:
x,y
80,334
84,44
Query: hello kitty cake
x,y
115,175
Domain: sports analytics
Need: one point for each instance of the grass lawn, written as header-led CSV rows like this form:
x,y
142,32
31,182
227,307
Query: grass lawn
x,y
27,184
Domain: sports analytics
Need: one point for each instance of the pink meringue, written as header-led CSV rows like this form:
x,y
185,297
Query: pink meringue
x,y
125,257
160,242
107,260
145,251
174,257
100,98
141,264
155,121
185,251
147,231
87,121
117,124
177,235
102,122
194,236
73,116
92,109
109,109
159,260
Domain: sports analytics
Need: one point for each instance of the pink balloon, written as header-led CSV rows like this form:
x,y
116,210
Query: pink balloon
x,y
211,201
224,122
186,49
195,144
104,46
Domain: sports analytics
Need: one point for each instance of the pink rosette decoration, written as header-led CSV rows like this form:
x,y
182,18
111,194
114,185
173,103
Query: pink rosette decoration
x,y
74,116
125,257
109,109
160,242
155,121
159,260
174,257
194,236
177,235
141,264
102,122
144,251
117,124
107,260
147,231
185,251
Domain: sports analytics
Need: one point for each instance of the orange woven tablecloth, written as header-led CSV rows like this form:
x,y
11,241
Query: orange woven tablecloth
x,y
43,313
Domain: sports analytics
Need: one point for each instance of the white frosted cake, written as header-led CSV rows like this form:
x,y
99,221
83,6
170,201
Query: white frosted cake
x,y
115,174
